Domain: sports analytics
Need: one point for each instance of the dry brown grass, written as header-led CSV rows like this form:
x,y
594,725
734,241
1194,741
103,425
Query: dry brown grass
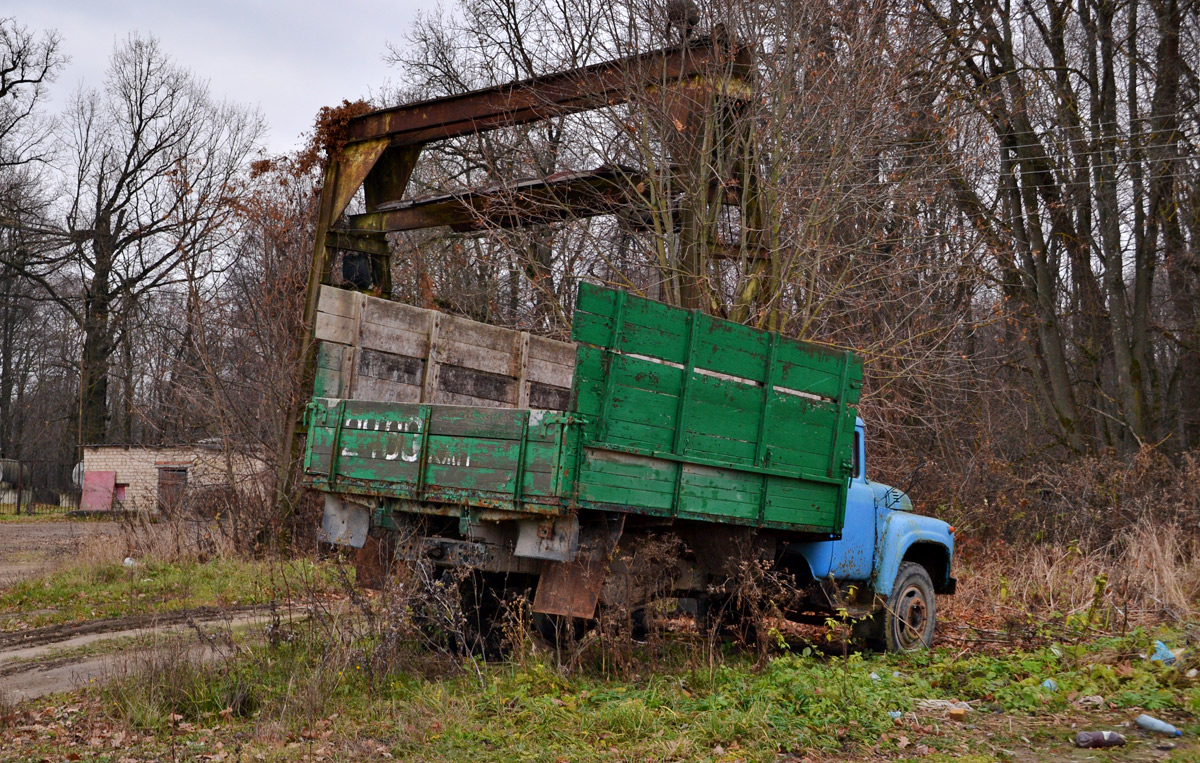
x,y
146,537
1148,574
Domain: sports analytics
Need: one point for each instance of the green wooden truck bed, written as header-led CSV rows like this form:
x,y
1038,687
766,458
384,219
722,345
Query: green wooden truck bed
x,y
672,413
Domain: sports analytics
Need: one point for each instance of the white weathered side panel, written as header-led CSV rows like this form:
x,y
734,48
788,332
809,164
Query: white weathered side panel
x,y
478,358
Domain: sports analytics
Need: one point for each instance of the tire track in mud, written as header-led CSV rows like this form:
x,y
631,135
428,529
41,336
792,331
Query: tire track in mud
x,y
30,669
52,633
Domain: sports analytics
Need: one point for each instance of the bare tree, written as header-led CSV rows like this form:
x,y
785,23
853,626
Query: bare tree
x,y
28,63
1086,117
152,169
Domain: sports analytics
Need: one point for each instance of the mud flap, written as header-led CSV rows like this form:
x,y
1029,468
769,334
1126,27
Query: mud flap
x,y
344,522
373,561
572,589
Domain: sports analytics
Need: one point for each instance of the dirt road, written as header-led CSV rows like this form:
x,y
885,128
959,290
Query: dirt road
x,y
60,658
57,658
30,548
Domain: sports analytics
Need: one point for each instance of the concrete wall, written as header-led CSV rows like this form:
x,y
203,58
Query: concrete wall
x,y
138,471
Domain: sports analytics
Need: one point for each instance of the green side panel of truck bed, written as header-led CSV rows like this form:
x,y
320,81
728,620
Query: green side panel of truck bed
x,y
691,416
489,457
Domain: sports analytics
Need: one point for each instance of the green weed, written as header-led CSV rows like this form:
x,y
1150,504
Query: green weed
x,y
113,590
673,709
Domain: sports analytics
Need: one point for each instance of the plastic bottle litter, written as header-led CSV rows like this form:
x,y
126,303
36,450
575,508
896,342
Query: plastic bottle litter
x,y
1151,723
1163,654
1050,684
1099,739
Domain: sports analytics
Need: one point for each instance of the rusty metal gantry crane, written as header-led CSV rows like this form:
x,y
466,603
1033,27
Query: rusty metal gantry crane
x,y
691,82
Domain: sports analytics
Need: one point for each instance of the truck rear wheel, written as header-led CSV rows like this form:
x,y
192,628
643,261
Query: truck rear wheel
x,y
911,613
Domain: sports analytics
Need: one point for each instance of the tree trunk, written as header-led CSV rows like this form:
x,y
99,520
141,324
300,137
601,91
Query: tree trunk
x,y
97,347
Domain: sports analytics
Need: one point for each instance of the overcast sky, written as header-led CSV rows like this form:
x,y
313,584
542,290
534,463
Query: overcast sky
x,y
289,59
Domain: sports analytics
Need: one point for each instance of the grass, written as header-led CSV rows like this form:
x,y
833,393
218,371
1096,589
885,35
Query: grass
x,y
318,689
281,702
38,512
110,589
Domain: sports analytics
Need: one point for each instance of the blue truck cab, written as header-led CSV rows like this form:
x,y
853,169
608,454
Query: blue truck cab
x,y
889,565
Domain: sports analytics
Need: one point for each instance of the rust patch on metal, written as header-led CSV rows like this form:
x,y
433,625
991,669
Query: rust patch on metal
x,y
572,589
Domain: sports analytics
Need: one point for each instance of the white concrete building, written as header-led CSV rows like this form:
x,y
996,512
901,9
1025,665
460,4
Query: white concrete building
x,y
139,478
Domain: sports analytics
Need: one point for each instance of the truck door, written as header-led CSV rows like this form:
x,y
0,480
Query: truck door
x,y
854,555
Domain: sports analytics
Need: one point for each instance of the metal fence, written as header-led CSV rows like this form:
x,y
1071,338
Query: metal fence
x,y
37,486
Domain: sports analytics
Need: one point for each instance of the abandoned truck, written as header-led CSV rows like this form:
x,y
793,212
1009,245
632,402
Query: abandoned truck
x,y
544,464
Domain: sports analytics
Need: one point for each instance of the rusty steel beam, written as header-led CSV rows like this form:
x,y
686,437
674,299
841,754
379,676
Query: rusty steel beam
x,y
563,196
530,100
530,202
374,243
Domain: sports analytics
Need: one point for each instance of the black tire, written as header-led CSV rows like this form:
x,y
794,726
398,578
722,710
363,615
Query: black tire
x,y
560,630
911,612
721,617
868,632
486,599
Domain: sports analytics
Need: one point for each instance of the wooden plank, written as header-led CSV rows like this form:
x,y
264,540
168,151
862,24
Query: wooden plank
x,y
767,395
389,367
548,398
718,449
552,351
381,416
732,349
430,379
445,397
719,493
452,462
606,467
798,462
397,315
385,390
659,331
551,373
455,352
327,382
613,347
450,423
335,328
644,407
550,363
636,434
329,355
482,335
494,423
643,332
394,341
471,382
335,301
796,502
348,371
836,457
680,419
522,350
587,386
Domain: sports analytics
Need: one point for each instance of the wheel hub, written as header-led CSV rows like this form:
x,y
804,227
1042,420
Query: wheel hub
x,y
911,617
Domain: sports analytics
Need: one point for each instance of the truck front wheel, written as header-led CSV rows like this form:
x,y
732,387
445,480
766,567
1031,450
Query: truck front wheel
x,y
911,611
